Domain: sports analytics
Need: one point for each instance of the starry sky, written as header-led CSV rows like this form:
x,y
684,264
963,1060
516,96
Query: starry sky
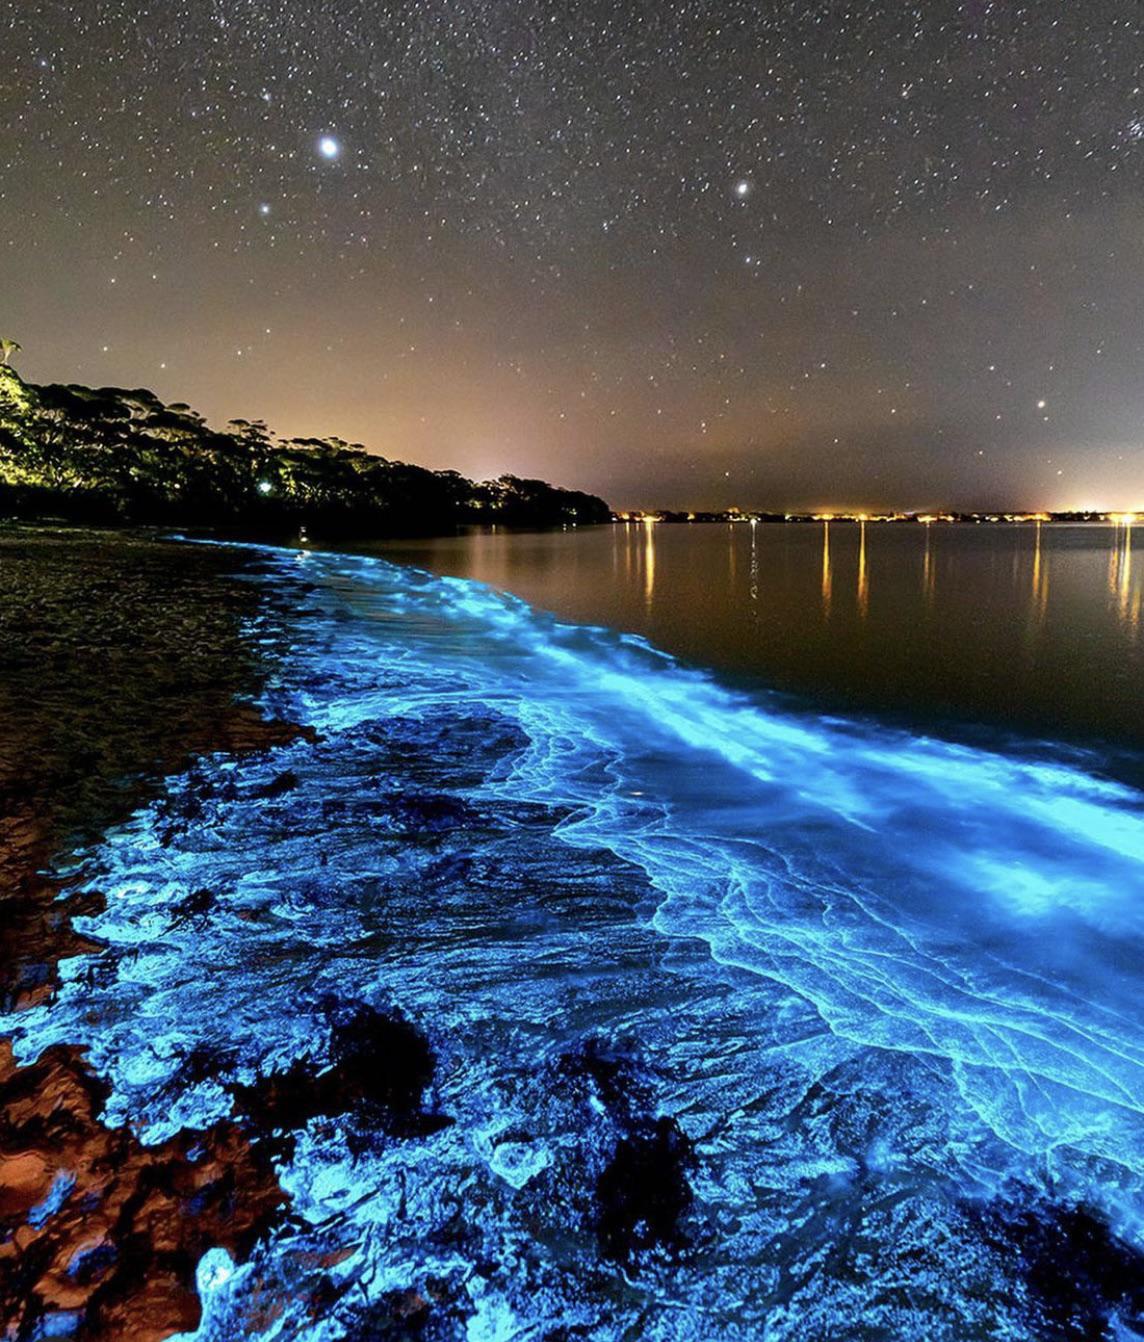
x,y
771,253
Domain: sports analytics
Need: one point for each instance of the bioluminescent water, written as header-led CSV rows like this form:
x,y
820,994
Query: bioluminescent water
x,y
1027,629
733,1022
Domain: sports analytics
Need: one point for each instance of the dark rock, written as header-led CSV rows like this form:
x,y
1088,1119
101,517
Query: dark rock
x,y
1079,1274
643,1194
380,1066
197,903
285,782
381,1059
280,1103
607,1069
430,1314
203,1063
398,1316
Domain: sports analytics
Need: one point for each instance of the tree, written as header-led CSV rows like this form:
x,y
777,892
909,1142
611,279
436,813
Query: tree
x,y
8,348
117,453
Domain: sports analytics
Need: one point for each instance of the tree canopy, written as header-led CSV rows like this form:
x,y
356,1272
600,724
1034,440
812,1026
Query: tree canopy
x,y
114,454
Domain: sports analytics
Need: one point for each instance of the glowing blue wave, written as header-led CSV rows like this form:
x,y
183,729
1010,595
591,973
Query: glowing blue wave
x,y
924,896
950,941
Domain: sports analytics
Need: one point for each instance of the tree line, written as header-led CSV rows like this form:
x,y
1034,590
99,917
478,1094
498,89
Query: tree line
x,y
108,454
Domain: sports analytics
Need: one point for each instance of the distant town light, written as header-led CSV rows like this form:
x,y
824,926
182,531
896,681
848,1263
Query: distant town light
x,y
264,486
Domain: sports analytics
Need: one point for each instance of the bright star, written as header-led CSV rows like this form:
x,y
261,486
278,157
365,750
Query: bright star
x,y
264,208
742,188
328,147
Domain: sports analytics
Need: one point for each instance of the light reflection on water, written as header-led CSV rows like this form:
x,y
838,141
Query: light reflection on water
x,y
929,574
1127,592
827,581
649,562
1030,627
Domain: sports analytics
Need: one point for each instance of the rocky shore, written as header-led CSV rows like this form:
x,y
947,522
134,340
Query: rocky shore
x,y
126,659
121,659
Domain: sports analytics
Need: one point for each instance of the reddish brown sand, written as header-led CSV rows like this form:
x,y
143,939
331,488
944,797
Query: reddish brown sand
x,y
122,1249
121,659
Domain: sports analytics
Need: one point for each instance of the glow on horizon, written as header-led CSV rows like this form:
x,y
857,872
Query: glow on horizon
x,y
839,514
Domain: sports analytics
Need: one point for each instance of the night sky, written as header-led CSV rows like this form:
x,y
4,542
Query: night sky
x,y
768,254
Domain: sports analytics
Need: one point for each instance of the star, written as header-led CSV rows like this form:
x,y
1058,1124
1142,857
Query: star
x,y
539,183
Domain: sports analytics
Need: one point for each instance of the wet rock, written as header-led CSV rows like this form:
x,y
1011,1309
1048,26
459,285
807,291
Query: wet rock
x,y
1082,1279
195,905
379,1069
607,1071
426,1315
278,786
643,1194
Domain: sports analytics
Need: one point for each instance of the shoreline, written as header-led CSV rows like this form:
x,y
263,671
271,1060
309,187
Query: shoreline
x,y
401,972
138,1282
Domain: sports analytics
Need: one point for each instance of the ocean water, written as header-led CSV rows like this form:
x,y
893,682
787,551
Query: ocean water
x,y
746,1022
1028,629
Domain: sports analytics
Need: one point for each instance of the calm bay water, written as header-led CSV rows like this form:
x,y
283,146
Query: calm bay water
x,y
1034,629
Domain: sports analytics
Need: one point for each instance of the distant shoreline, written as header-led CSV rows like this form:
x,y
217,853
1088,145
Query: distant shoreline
x,y
1013,518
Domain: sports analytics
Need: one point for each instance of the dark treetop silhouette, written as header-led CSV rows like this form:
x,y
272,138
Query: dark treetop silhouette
x,y
112,455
